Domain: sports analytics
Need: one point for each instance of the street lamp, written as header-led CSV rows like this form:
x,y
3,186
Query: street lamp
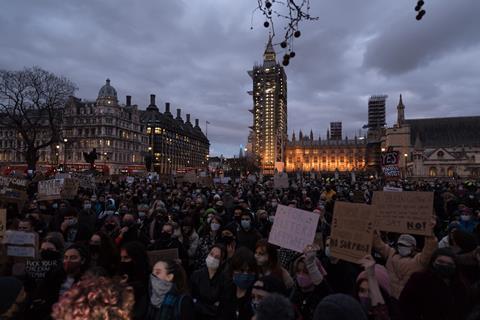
x,y
65,140
56,153
405,155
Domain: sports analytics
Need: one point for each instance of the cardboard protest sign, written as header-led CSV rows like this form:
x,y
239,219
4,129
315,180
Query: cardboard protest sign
x,y
392,189
10,182
21,244
3,223
163,255
293,228
86,181
62,175
130,180
404,212
352,231
280,180
50,189
190,177
70,188
38,269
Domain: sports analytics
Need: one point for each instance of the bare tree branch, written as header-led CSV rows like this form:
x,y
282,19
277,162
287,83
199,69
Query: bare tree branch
x,y
31,102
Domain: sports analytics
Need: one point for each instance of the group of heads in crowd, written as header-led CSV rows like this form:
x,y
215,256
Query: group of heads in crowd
x,y
95,254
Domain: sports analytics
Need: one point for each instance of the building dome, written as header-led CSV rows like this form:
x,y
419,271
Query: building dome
x,y
107,91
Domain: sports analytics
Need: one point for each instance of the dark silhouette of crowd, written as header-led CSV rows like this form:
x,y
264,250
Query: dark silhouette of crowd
x,y
96,263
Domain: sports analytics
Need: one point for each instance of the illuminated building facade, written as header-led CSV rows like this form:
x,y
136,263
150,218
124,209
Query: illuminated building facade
x,y
308,154
113,129
174,144
269,129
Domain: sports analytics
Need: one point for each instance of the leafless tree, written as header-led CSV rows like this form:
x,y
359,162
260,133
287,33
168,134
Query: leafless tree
x,y
291,11
31,104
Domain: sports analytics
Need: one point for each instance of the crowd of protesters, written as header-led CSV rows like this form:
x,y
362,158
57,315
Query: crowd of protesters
x,y
94,253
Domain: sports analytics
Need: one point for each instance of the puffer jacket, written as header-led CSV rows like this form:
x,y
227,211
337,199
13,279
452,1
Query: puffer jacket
x,y
401,268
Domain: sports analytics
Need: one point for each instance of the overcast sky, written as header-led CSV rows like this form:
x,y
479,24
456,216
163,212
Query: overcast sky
x,y
196,54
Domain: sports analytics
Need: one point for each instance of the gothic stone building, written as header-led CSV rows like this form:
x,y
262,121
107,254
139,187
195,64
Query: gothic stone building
x,y
308,154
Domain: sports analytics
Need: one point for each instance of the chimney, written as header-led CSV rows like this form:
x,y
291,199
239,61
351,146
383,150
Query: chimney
x,y
129,101
179,113
167,107
188,118
196,122
152,99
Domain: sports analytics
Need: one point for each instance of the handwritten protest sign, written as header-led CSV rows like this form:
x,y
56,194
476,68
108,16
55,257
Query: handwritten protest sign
x,y
163,255
10,182
38,269
3,223
392,189
280,180
70,188
86,181
50,189
352,231
293,228
21,244
404,212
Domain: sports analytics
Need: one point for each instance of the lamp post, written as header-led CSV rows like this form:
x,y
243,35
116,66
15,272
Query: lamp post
x,y
405,156
65,140
57,155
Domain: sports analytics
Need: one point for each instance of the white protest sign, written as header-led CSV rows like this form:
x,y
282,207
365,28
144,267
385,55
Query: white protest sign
x,y
18,251
280,180
50,189
130,180
19,237
392,189
293,228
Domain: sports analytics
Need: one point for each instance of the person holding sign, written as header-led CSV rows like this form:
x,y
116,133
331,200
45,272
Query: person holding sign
x,y
310,284
403,260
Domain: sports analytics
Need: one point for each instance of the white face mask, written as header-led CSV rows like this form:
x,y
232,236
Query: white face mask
x,y
214,226
212,263
404,251
465,217
261,259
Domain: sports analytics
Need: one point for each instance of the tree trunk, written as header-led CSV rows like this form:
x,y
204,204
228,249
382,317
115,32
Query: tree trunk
x,y
31,157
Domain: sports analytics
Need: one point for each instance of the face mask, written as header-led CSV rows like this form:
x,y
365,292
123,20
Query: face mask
x,y
72,222
244,280
444,271
245,224
214,226
212,263
465,217
144,195
271,218
49,255
404,251
471,196
255,304
274,204
366,302
141,215
126,268
109,226
55,205
128,223
304,281
94,248
160,288
71,267
327,252
261,259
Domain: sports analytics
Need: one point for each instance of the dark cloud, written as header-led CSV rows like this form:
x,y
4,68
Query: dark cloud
x,y
196,54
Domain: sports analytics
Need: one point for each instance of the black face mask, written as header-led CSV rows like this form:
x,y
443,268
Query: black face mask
x,y
50,255
109,227
127,268
444,271
128,223
94,248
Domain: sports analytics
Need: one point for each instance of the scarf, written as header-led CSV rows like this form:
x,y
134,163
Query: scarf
x,y
159,289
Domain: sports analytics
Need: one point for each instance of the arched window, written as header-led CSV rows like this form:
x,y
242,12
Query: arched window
x,y
440,154
450,171
432,172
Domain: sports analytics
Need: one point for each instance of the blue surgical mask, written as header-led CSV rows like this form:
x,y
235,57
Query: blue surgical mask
x,y
245,224
244,280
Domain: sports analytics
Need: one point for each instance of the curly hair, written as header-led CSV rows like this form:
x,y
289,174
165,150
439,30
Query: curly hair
x,y
97,298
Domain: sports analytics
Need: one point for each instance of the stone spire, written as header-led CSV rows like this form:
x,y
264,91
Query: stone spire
x,y
311,135
293,136
328,134
400,113
300,135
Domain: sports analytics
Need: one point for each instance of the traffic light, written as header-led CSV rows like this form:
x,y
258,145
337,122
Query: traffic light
x,y
418,8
